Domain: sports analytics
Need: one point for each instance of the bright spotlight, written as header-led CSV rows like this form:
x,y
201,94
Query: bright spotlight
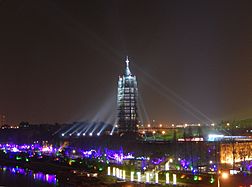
x,y
98,134
78,134
62,134
90,134
70,134
224,175
83,134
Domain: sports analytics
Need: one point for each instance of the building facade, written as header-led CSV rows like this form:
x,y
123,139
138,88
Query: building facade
x,y
127,101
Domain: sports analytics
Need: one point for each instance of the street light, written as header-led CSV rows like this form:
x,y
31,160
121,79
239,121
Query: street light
x,y
225,175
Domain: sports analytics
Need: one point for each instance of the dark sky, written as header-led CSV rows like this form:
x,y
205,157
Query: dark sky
x,y
60,60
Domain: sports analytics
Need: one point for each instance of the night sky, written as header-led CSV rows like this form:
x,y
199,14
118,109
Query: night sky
x,y
60,60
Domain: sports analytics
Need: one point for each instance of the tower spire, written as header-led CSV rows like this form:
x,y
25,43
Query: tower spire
x,y
127,72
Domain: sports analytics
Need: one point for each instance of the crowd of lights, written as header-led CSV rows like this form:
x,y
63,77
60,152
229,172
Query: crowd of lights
x,y
109,157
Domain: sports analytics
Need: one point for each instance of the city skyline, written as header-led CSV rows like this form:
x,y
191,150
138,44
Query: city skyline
x,y
60,61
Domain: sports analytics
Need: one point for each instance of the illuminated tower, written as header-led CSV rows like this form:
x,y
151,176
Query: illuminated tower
x,y
127,101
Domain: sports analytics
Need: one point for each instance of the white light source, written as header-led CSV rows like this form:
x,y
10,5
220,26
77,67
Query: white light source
x,y
147,177
90,134
167,178
132,176
117,172
156,178
224,175
120,173
174,177
62,134
109,172
114,171
124,174
138,176
167,166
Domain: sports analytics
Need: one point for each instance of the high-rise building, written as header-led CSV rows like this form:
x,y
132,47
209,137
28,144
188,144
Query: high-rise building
x,y
127,101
